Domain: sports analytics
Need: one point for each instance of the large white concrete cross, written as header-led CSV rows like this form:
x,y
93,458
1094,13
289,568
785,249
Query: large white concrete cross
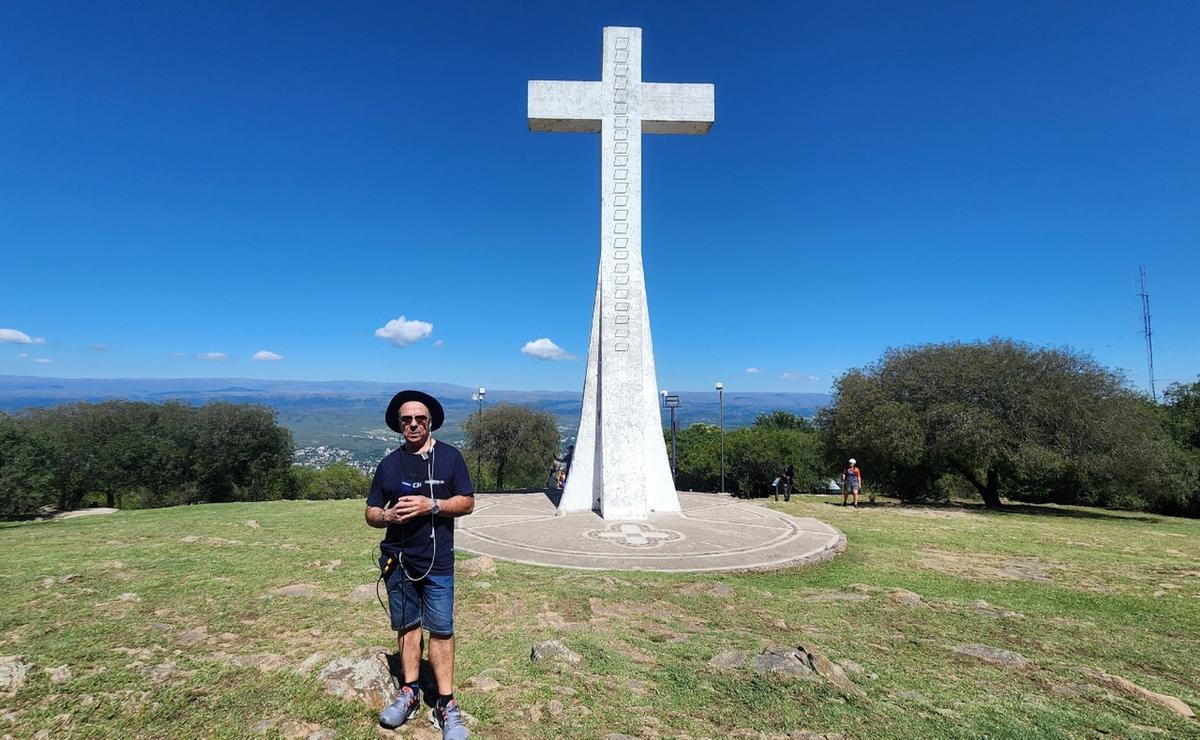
x,y
620,466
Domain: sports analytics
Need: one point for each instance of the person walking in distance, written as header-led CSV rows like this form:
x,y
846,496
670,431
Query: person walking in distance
x,y
417,492
851,482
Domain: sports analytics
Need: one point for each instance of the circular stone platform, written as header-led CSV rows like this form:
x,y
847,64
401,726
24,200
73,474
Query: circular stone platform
x,y
713,532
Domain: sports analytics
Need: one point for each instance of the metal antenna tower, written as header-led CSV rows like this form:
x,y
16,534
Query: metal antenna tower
x,y
1145,296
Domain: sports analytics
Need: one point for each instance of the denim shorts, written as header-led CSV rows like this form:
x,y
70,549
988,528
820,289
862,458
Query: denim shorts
x,y
428,602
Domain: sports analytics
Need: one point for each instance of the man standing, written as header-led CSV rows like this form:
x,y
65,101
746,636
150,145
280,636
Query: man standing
x,y
417,491
851,482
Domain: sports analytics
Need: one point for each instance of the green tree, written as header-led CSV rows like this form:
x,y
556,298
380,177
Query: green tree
x,y
25,483
140,454
754,456
516,444
1008,418
1182,403
239,451
1181,406
336,481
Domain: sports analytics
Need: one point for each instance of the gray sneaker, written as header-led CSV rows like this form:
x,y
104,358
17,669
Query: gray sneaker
x,y
402,710
448,719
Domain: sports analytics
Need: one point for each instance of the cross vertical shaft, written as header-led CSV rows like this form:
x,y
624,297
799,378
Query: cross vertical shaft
x,y
620,468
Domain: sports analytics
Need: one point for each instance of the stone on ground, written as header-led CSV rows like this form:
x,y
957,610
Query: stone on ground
x,y
1125,685
362,677
904,597
12,674
295,589
60,674
554,651
995,656
480,566
803,662
729,660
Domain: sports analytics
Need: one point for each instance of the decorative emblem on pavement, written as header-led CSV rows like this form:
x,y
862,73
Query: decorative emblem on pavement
x,y
639,536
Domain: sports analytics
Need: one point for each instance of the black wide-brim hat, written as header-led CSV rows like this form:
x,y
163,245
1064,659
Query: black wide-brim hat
x,y
437,414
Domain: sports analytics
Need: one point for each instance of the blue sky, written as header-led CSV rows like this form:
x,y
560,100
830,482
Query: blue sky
x,y
186,179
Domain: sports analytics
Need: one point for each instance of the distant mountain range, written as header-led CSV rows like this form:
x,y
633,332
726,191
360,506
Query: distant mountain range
x,y
347,415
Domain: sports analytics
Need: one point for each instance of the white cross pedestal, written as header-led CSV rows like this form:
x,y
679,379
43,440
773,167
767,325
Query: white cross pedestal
x,y
620,466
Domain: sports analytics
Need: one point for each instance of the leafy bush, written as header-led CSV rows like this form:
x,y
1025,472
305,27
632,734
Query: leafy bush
x,y
754,456
121,453
1010,420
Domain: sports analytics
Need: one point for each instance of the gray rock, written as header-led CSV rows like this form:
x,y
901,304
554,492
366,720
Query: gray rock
x,y
263,726
61,674
480,566
851,666
12,674
829,670
312,661
904,597
782,660
364,592
362,677
729,660
995,656
556,652
1126,686
483,683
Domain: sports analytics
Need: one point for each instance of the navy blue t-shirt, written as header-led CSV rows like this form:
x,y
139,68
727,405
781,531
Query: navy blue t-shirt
x,y
404,474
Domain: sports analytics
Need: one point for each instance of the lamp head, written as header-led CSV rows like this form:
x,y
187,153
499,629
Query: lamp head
x,y
720,385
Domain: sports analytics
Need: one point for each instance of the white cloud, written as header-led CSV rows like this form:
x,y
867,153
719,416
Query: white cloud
x,y
13,336
22,355
402,332
264,356
211,356
97,347
797,376
439,343
753,370
544,349
43,360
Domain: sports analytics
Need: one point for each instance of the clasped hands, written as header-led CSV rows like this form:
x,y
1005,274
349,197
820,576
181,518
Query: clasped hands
x,y
405,508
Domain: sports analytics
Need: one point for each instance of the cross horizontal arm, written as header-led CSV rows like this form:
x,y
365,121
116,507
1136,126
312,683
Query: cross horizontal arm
x,y
673,108
565,106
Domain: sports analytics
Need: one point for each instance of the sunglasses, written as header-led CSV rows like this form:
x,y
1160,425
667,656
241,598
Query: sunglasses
x,y
420,420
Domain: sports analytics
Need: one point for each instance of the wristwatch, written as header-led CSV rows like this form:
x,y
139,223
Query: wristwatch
x,y
437,509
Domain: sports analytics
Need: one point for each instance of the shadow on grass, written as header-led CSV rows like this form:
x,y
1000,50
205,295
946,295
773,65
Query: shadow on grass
x,y
1048,510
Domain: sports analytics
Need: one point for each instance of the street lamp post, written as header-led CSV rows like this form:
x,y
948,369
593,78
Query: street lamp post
x,y
721,394
671,402
479,451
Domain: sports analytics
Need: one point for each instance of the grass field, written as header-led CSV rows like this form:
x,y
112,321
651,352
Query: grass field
x,y
168,627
